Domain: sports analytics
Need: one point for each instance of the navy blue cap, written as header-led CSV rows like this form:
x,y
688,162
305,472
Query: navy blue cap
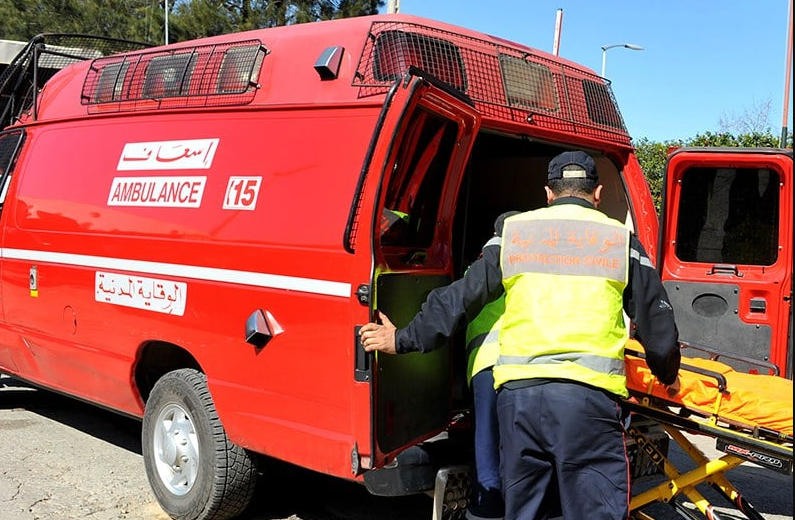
x,y
586,167
500,222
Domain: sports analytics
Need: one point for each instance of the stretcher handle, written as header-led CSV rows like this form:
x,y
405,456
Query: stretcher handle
x,y
715,354
698,370
709,373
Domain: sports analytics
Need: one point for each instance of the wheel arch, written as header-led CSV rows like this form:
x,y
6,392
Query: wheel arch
x,y
156,359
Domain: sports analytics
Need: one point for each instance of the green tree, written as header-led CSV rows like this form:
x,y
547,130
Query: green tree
x,y
23,19
651,156
199,18
143,20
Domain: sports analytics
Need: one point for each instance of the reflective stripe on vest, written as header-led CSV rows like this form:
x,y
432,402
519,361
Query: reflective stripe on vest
x,y
492,336
597,363
564,270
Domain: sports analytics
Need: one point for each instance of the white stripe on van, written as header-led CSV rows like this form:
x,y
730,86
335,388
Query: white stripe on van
x,y
270,281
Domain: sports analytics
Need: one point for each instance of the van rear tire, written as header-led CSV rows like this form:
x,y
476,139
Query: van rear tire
x,y
194,471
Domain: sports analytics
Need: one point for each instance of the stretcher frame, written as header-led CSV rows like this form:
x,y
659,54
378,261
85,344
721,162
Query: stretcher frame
x,y
764,447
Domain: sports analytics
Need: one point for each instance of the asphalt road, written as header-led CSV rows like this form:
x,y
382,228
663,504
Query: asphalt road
x,y
61,459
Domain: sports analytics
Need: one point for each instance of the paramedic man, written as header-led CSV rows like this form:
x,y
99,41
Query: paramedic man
x,y
567,271
482,346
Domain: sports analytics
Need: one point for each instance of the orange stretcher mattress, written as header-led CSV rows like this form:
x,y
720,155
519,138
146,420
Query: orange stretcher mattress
x,y
748,400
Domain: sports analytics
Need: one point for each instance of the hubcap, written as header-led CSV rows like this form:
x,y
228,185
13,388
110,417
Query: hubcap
x,y
176,449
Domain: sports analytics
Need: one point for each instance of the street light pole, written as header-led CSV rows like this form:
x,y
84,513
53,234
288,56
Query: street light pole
x,y
605,48
166,23
788,67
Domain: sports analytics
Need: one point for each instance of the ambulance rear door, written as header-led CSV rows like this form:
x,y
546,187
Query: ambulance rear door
x,y
418,156
726,253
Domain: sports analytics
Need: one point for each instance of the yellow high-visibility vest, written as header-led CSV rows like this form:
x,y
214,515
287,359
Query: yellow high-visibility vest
x,y
564,270
482,338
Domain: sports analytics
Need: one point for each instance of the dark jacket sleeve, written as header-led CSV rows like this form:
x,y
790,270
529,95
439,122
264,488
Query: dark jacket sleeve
x,y
646,303
448,309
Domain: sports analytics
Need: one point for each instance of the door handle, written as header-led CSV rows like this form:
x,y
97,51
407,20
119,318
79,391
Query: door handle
x,y
724,269
758,305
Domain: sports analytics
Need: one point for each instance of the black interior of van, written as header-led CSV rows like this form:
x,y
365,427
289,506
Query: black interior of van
x,y
507,173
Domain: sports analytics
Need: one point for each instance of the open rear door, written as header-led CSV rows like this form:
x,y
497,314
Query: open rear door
x,y
423,144
726,252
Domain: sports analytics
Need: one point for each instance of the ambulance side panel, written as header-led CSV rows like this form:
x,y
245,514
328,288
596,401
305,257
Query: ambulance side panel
x,y
176,230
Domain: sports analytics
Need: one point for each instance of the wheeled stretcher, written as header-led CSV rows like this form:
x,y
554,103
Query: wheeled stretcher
x,y
749,415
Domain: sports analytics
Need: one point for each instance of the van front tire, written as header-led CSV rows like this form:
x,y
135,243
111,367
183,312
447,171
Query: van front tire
x,y
195,472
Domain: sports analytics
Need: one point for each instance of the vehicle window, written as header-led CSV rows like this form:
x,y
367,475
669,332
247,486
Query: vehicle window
x,y
529,85
728,215
239,69
601,104
168,76
9,145
395,51
111,81
414,192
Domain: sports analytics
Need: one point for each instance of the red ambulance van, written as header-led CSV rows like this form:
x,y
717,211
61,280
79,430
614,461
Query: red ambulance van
x,y
192,234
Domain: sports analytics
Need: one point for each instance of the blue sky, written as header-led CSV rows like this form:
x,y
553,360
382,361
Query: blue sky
x,y
702,61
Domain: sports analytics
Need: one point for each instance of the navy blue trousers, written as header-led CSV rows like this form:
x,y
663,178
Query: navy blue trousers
x,y
566,434
486,498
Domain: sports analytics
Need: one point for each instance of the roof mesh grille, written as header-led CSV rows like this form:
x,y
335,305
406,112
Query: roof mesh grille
x,y
504,81
208,75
